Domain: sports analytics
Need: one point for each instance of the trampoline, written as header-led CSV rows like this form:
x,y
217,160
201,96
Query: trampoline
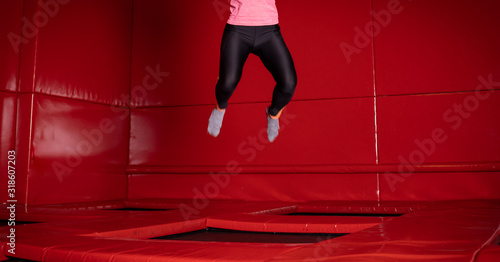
x,y
388,150
427,231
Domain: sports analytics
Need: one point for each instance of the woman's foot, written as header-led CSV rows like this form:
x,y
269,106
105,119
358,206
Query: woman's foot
x,y
273,126
215,121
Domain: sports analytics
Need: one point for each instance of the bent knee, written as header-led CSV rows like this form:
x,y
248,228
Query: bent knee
x,y
227,85
288,86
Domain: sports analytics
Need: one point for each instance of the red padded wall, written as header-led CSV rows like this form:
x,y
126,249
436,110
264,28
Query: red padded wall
x,y
77,150
346,52
168,126
255,187
437,68
185,41
8,103
81,51
73,121
180,138
374,76
10,29
439,186
437,46
445,128
178,38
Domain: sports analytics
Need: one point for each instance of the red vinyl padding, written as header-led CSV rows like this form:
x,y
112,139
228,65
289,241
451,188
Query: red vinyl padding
x,y
8,102
408,238
489,253
428,48
257,187
185,41
106,104
343,139
10,29
83,51
442,231
74,72
354,108
294,224
441,128
81,160
447,186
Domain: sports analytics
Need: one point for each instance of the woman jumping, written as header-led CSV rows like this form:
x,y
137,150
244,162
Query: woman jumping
x,y
252,28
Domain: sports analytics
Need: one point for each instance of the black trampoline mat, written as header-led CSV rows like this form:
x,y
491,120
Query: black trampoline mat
x,y
223,235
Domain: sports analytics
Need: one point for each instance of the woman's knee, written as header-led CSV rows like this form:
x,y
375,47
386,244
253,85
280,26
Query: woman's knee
x,y
288,85
227,84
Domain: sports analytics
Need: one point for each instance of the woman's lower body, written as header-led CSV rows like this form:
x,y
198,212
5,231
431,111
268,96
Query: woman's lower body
x,y
238,42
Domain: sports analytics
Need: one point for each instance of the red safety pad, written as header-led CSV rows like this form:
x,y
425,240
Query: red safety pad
x,y
443,128
427,235
294,224
8,103
321,48
439,186
362,207
78,49
137,225
255,187
341,132
155,251
450,128
84,206
169,136
34,248
424,234
53,213
177,137
2,256
488,254
200,208
170,36
156,203
10,29
70,148
428,47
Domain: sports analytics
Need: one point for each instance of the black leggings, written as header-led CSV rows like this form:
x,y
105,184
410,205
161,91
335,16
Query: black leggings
x,y
267,43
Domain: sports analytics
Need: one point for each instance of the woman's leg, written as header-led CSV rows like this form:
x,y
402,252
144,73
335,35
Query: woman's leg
x,y
278,60
234,52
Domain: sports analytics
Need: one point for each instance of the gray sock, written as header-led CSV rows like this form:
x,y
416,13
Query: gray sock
x,y
273,127
215,122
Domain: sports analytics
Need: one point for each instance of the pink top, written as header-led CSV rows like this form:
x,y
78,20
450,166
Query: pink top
x,y
253,12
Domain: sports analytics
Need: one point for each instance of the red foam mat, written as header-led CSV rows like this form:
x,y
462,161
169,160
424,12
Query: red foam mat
x,y
452,232
294,224
123,250
489,253
439,231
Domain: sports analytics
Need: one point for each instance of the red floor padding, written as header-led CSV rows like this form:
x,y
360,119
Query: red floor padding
x,y
392,231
